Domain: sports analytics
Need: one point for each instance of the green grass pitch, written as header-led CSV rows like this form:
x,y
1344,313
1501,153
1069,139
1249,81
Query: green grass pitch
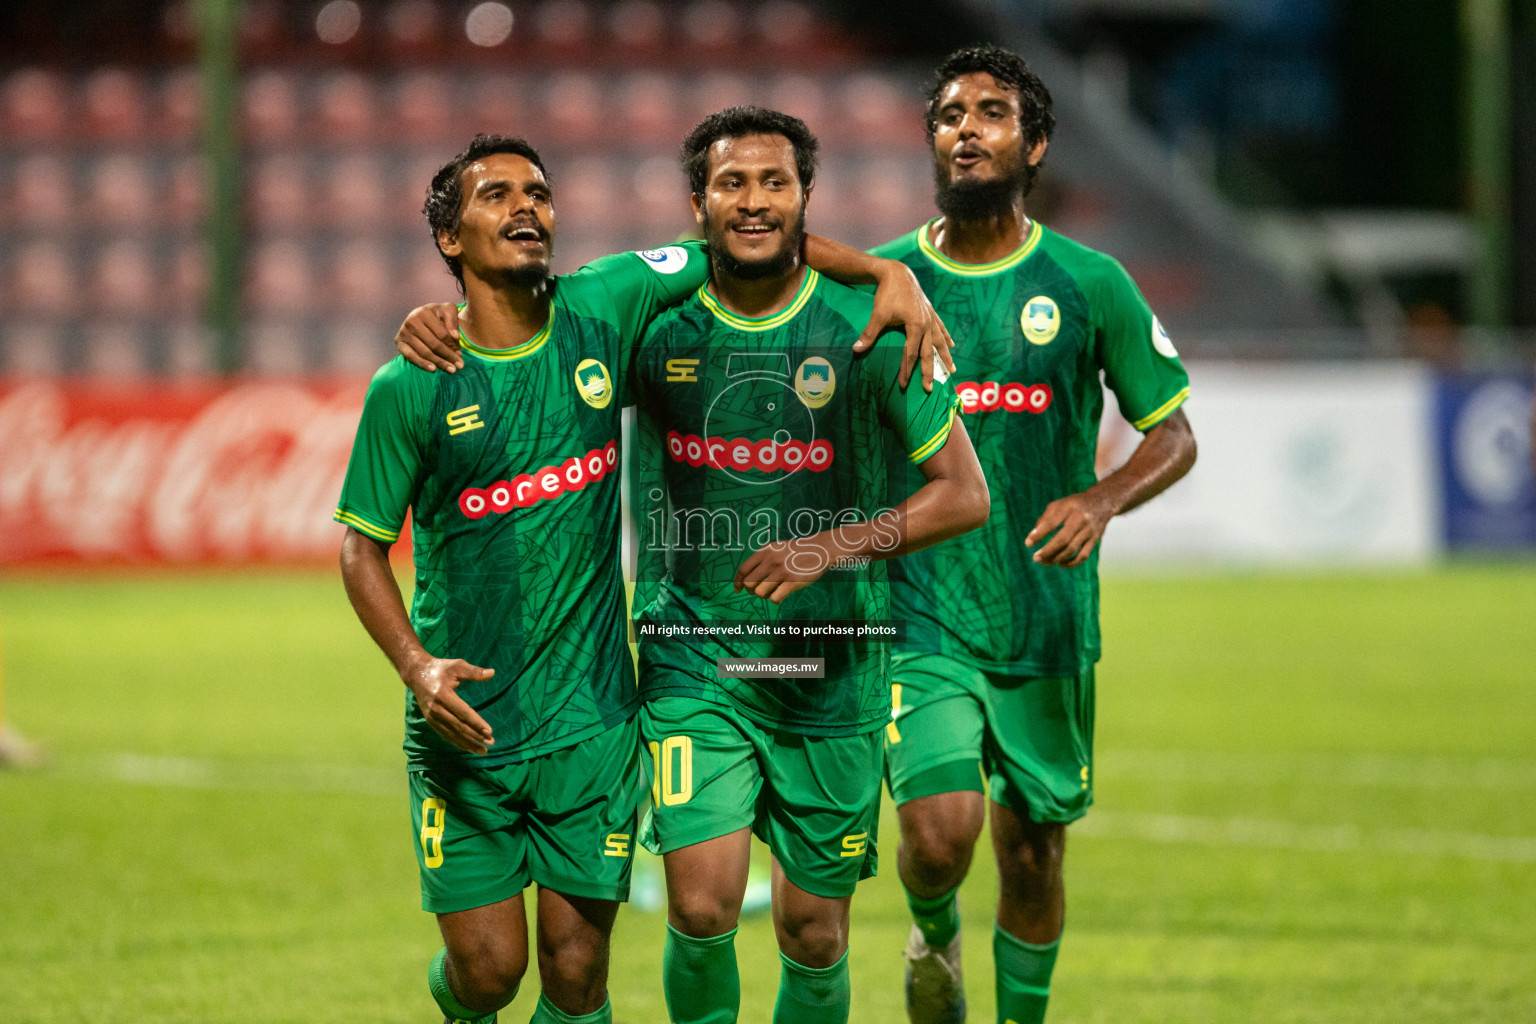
x,y
1316,802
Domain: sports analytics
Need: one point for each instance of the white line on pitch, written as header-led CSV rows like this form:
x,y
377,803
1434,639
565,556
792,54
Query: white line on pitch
x,y
202,773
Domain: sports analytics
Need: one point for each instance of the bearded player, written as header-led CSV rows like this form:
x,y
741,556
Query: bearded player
x,y
997,672
761,478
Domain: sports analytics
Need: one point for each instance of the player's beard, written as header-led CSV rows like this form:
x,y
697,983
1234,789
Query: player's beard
x,y
778,265
978,200
530,275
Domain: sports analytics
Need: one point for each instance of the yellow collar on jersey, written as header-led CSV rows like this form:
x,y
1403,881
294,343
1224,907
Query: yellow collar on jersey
x,y
1013,259
762,323
527,348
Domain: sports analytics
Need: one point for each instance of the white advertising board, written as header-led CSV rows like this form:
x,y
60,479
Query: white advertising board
x,y
1299,464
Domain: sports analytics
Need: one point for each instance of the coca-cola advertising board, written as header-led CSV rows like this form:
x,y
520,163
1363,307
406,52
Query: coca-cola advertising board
x,y
206,472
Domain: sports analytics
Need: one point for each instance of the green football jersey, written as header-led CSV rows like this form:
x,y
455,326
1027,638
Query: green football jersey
x,y
510,470
1033,333
757,430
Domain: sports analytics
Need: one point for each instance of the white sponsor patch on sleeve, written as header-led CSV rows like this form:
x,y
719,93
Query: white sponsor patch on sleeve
x,y
665,261
1161,341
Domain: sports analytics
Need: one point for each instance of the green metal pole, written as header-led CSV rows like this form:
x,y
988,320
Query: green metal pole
x,y
1486,25
221,151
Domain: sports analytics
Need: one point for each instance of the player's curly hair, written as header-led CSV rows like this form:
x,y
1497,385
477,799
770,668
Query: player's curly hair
x,y
739,122
445,197
1036,118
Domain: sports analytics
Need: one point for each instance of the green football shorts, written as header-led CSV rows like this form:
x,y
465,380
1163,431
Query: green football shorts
x,y
953,724
564,820
815,800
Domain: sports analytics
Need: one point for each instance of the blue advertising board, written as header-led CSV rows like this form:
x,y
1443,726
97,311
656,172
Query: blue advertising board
x,y
1483,432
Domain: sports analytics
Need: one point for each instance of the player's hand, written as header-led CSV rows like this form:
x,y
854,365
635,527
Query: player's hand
x,y
430,337
434,683
774,571
901,302
1079,521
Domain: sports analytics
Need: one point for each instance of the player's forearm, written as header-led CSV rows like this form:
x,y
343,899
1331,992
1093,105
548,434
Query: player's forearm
x,y
845,264
1165,454
376,599
953,500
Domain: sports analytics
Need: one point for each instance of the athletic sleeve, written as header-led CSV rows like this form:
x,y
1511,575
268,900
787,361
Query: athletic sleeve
x,y
635,286
920,419
1141,365
384,470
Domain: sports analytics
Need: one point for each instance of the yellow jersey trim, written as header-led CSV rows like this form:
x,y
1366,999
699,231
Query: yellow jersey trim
x,y
1013,259
937,440
527,348
763,323
363,526
1163,411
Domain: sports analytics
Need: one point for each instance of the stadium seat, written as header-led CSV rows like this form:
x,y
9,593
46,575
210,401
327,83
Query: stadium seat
x,y
573,107
273,346
585,193
637,26
647,104
800,95
43,278
278,193
122,192
188,350
33,347
355,195
563,28
42,192
279,278
186,279
423,108
124,281
413,31
720,89
271,107
356,347
495,105
179,112
360,277
426,278
879,110
712,28
410,190
346,107
115,350
186,196
36,105
890,197
660,198
114,104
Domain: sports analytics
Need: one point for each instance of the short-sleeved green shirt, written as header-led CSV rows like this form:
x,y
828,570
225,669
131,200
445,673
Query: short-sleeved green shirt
x,y
754,431
510,470
1033,334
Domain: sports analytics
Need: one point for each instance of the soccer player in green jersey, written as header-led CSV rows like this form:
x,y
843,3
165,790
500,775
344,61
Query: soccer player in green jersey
x,y
761,479
1003,633
520,728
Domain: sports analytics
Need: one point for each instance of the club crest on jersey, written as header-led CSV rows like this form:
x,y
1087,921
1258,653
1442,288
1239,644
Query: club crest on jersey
x,y
815,381
1161,341
593,383
665,261
1041,319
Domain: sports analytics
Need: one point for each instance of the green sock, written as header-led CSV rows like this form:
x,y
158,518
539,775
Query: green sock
x,y
699,978
939,918
812,995
437,981
548,1013
1023,977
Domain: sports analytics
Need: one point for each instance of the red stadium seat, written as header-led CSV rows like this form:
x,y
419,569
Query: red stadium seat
x,y
720,89
800,95
423,108
880,110
274,346
122,192
891,198
279,278
186,198
413,30
637,26
648,106
563,28
34,347
660,204
279,196
573,107
186,280
346,107
271,107
585,190
355,194
35,106
115,104
180,112
495,106
712,27
188,350
114,350
427,279
360,277
124,279
356,347
43,193
411,192
43,278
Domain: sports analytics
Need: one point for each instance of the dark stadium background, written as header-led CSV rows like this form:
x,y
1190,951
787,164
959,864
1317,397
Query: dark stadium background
x,y
1316,743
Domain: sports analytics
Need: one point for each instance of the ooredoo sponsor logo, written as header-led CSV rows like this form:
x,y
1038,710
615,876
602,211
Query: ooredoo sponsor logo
x,y
988,395
543,484
770,455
